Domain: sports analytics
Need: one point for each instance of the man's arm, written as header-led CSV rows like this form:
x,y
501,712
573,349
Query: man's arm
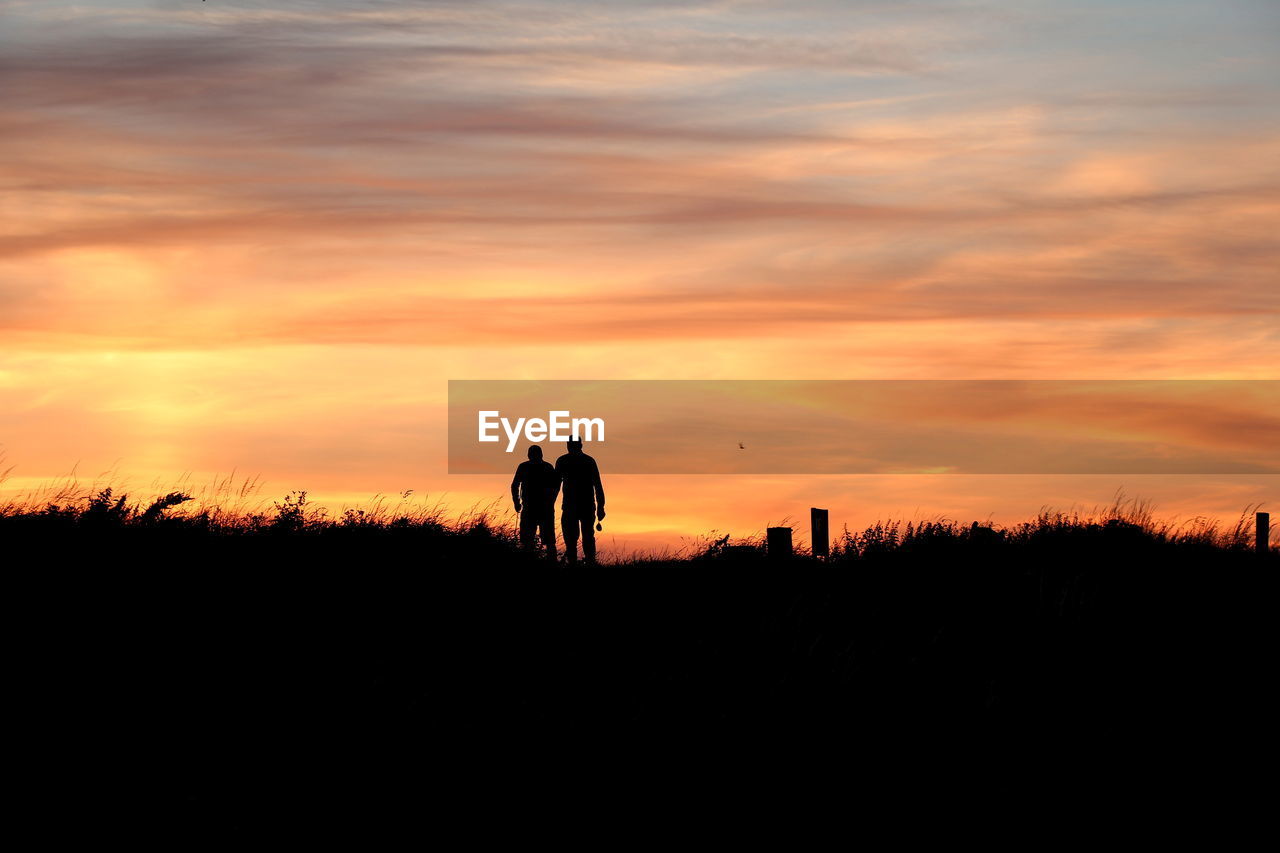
x,y
599,487
515,488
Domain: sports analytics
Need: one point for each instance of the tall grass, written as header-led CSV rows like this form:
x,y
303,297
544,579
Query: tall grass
x,y
234,506
1124,516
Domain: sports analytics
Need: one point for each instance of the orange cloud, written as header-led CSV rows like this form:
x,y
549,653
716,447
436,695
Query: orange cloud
x,y
265,238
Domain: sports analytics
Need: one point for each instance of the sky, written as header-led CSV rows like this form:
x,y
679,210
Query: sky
x,y
261,237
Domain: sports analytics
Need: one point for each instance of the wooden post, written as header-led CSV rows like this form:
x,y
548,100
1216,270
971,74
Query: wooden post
x,y
778,543
1264,532
818,532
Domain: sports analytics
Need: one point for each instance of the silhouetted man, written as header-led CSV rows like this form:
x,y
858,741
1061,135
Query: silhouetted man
x,y
534,490
580,480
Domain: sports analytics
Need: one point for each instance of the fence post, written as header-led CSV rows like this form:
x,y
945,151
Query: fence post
x,y
818,532
778,543
1264,532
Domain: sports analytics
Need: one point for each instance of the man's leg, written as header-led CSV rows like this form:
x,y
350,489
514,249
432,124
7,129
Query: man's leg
x,y
588,521
569,527
528,528
547,528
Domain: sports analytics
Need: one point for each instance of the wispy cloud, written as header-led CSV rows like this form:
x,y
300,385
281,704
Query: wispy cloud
x,y
731,188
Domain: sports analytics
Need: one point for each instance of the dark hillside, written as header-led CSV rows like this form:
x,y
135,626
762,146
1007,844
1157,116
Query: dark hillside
x,y
224,676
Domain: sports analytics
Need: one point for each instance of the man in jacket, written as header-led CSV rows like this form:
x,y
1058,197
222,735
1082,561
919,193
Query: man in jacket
x,y
583,501
534,490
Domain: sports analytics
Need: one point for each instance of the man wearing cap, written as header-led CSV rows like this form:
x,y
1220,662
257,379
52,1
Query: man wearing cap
x,y
583,501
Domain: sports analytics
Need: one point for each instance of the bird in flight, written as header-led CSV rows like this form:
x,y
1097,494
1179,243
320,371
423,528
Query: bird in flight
x,y
741,446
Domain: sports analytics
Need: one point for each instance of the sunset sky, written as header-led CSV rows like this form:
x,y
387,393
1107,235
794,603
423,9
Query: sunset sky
x,y
262,236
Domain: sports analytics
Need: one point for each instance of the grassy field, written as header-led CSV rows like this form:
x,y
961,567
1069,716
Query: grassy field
x,y
242,666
